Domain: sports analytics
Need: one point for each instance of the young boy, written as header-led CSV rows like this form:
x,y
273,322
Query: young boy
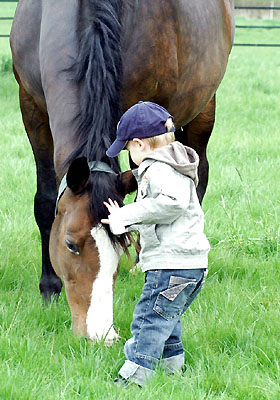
x,y
174,249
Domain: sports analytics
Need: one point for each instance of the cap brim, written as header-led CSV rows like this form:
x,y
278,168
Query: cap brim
x,y
116,147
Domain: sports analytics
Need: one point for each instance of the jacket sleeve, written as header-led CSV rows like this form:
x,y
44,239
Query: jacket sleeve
x,y
170,193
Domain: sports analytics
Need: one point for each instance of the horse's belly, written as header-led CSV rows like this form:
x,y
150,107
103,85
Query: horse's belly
x,y
177,56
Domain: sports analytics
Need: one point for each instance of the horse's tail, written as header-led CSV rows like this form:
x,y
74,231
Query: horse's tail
x,y
98,73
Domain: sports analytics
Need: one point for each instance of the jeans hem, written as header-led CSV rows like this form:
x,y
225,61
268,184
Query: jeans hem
x,y
135,373
173,364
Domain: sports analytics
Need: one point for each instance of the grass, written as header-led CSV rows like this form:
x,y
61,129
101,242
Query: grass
x,y
231,333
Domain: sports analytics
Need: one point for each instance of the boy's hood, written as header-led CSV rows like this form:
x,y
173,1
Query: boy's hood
x,y
182,158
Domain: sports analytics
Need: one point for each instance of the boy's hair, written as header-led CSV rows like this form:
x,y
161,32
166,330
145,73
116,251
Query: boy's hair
x,y
163,139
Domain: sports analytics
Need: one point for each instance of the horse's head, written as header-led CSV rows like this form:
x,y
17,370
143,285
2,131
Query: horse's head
x,y
84,254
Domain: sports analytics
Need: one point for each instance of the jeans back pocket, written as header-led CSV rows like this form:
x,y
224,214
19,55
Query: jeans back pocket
x,y
173,302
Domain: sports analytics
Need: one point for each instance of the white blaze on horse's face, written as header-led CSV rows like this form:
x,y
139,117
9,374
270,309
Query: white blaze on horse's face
x,y
100,313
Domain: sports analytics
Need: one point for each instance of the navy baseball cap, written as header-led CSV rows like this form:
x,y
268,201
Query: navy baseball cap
x,y
144,119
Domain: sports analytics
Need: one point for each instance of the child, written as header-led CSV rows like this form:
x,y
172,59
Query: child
x,y
174,249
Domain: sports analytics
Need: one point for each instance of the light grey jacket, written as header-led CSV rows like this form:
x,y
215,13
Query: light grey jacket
x,y
167,213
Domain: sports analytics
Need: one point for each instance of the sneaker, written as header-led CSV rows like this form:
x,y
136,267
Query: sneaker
x,y
122,382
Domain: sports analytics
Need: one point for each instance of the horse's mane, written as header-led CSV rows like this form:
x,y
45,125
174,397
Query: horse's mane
x,y
102,186
98,72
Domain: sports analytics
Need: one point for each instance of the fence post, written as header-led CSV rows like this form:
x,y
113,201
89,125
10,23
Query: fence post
x,y
272,9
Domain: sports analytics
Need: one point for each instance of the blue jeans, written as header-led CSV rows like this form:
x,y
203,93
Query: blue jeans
x,y
156,325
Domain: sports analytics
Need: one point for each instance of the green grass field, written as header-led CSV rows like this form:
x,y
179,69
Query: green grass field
x,y
231,333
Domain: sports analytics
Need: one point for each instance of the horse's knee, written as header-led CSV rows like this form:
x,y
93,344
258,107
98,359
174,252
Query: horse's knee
x,y
44,207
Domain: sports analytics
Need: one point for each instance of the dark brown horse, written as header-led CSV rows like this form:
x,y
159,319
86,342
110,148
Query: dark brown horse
x,y
79,65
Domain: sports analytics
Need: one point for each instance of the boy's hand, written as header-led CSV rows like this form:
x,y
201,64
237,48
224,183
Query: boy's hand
x,y
114,221
111,206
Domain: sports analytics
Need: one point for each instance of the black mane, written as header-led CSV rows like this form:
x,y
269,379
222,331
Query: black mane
x,y
98,72
100,187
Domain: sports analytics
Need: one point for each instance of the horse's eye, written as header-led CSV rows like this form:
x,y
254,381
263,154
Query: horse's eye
x,y
72,247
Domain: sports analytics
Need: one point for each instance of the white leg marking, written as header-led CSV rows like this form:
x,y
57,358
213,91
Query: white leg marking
x,y
100,313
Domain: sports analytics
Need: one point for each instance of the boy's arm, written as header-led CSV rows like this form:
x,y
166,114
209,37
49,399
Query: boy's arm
x,y
160,210
171,198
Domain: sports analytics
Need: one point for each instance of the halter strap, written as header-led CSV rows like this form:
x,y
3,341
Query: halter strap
x,y
94,166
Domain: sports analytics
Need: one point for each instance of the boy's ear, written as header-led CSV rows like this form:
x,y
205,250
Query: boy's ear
x,y
140,142
127,183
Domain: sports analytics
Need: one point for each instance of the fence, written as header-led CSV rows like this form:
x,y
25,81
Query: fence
x,y
236,26
257,26
7,18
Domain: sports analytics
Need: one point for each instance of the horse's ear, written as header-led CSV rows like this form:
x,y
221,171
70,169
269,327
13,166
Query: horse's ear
x,y
78,175
128,183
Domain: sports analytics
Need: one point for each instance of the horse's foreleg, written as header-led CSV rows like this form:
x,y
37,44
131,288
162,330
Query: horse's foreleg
x,y
196,135
37,127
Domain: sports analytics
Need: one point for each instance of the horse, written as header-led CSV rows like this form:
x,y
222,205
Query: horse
x,y
79,65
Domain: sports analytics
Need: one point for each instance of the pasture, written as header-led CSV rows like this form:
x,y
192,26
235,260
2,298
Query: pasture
x,y
231,333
